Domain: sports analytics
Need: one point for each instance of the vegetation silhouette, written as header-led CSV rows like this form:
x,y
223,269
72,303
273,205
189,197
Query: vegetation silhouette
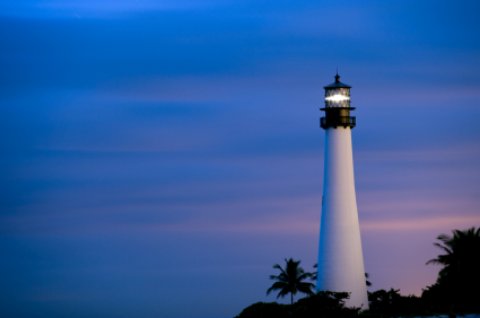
x,y
291,280
323,304
458,282
389,303
456,291
367,280
265,310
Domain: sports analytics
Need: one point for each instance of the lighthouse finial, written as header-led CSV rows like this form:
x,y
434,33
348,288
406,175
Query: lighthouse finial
x,y
337,77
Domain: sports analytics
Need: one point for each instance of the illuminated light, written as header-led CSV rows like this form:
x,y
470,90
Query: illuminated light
x,y
337,98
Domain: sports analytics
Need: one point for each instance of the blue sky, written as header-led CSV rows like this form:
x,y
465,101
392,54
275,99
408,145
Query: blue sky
x,y
158,157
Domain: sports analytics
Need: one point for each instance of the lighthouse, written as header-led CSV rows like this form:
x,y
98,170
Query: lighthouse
x,y
340,257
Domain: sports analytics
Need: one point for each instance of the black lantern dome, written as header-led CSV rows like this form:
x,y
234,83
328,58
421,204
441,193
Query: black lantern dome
x,y
337,106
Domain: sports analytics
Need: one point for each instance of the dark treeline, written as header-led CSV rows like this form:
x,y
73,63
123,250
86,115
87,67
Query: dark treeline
x,y
455,292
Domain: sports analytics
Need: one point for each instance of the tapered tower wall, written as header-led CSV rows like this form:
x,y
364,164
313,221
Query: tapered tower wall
x,y
340,259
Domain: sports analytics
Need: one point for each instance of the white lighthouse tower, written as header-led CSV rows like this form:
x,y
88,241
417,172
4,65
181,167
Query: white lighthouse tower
x,y
340,259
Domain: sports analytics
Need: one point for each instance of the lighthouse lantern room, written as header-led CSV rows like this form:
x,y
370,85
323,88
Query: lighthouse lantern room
x,y
337,106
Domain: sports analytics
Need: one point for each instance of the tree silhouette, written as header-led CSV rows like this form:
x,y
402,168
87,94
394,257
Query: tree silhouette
x,y
291,280
367,282
459,279
389,303
384,301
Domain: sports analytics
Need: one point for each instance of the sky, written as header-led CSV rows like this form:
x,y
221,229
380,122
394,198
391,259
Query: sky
x,y
158,157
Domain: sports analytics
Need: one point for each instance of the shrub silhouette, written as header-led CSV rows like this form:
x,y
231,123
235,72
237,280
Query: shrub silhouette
x,y
265,310
323,304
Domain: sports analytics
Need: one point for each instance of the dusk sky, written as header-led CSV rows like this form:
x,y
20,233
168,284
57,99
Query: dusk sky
x,y
158,157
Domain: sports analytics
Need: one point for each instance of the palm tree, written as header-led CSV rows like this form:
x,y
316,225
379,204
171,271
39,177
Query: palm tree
x,y
291,280
461,250
459,277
